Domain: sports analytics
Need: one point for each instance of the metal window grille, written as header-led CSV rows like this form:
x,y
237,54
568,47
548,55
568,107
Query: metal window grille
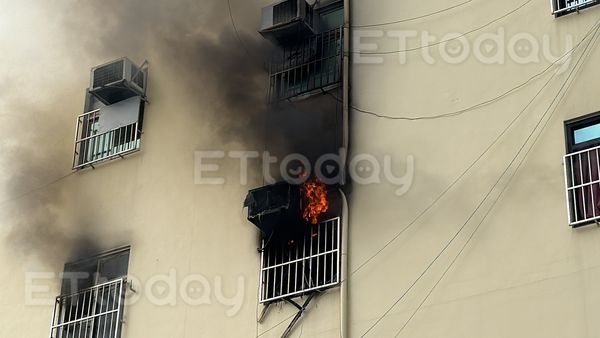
x,y
313,64
92,146
582,180
310,264
565,6
95,312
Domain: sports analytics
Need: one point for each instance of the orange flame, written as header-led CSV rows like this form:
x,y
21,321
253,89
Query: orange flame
x,y
315,198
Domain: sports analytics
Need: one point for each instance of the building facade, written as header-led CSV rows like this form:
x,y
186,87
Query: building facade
x,y
454,148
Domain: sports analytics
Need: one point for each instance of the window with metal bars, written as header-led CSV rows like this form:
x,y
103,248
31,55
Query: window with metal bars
x,y
92,297
562,7
309,65
582,169
95,142
295,268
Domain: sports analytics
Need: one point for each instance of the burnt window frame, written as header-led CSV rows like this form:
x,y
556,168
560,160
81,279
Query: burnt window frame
x,y
314,267
575,124
90,301
98,259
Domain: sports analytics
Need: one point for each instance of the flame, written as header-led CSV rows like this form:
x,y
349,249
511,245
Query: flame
x,y
315,198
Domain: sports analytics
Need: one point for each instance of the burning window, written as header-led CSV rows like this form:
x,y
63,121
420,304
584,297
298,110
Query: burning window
x,y
301,238
92,297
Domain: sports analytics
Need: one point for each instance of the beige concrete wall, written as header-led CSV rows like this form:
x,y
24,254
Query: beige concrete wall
x,y
148,200
525,273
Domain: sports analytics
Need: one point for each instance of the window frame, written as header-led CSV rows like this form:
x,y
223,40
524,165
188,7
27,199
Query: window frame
x,y
577,123
305,264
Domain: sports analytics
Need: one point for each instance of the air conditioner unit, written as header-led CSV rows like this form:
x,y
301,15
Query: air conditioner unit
x,y
287,20
118,80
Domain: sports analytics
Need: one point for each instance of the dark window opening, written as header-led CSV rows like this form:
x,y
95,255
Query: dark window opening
x,y
92,297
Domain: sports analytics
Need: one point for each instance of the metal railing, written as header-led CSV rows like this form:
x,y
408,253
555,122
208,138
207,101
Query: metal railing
x,y
310,264
582,181
94,312
92,146
565,6
312,64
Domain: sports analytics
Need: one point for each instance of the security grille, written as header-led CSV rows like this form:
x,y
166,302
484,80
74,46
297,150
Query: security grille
x,y
95,312
296,268
565,6
108,74
313,64
582,179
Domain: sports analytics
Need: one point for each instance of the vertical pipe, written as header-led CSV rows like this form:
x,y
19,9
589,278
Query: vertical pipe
x,y
344,269
344,154
345,87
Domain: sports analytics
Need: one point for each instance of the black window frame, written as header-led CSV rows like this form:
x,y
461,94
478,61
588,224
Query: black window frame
x,y
578,123
95,277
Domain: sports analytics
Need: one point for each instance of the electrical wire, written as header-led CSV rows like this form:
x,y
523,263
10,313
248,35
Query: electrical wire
x,y
447,40
484,103
413,18
235,30
492,206
24,194
458,178
276,325
482,201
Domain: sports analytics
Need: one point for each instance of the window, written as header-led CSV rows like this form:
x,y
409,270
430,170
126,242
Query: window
x,y
563,7
331,18
105,132
298,267
92,297
307,66
582,169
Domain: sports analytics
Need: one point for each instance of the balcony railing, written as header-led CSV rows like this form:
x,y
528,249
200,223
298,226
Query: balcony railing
x,y
94,312
92,146
312,64
582,180
560,7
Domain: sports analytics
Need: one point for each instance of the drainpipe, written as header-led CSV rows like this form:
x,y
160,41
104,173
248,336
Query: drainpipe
x,y
346,86
344,270
345,144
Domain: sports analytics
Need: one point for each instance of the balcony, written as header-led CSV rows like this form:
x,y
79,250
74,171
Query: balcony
x,y
311,65
97,138
562,7
94,312
582,179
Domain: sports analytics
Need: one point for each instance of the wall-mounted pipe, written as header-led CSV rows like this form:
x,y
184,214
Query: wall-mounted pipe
x,y
344,270
345,143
